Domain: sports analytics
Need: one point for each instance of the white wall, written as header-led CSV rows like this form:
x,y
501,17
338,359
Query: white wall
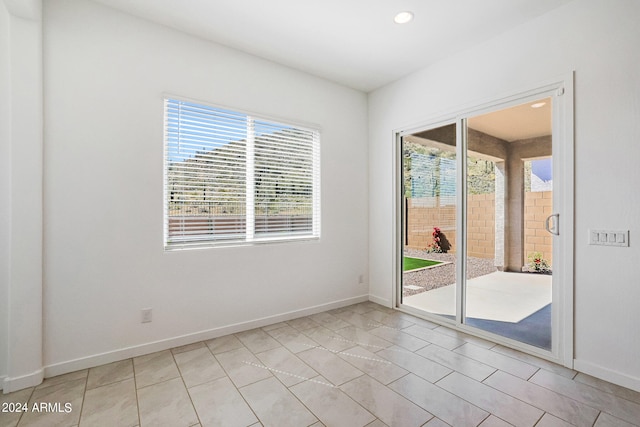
x,y
105,73
22,114
600,40
5,186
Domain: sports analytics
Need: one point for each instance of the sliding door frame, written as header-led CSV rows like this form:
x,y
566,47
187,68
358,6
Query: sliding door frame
x,y
561,92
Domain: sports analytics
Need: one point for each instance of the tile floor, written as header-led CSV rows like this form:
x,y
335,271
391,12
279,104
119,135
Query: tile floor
x,y
362,365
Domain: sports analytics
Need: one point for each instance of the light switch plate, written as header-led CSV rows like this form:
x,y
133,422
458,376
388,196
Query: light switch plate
x,y
609,237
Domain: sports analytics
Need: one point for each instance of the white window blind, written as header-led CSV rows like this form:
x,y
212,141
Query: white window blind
x,y
234,178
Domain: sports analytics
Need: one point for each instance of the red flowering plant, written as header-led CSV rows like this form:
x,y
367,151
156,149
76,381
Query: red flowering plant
x,y
435,247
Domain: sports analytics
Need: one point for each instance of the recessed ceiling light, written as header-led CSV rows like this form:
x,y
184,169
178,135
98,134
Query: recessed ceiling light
x,y
538,104
403,17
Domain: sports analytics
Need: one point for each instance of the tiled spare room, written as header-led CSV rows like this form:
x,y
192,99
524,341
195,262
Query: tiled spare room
x,y
319,213
361,365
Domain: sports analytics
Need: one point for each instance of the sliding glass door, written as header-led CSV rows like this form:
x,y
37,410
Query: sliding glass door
x,y
479,222
430,214
509,199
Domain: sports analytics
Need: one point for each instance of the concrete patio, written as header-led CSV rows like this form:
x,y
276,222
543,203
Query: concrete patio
x,y
499,296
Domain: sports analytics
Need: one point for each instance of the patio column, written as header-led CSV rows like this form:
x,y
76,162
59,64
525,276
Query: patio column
x,y
500,219
514,212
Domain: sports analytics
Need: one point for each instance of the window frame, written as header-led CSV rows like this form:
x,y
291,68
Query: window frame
x,y
314,234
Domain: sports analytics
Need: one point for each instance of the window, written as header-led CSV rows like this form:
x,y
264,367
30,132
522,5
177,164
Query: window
x,y
235,178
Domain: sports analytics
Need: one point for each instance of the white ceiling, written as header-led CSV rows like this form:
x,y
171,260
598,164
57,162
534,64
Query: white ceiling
x,y
352,42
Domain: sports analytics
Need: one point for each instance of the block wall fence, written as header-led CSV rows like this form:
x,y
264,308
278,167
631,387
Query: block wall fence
x,y
420,220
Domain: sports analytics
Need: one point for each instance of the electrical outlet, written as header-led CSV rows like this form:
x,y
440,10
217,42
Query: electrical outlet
x,y
146,315
361,279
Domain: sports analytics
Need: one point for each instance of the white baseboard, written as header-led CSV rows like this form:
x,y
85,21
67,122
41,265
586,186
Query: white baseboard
x,y
606,374
382,301
139,350
18,383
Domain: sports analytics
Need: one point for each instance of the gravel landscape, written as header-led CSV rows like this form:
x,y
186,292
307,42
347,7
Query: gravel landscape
x,y
441,275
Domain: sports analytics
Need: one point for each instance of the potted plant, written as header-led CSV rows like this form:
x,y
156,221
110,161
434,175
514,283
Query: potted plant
x,y
537,264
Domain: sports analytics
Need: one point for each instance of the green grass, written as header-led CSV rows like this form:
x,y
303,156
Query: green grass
x,y
414,263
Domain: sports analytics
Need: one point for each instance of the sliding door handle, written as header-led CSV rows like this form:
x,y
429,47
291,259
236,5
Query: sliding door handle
x,y
552,229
